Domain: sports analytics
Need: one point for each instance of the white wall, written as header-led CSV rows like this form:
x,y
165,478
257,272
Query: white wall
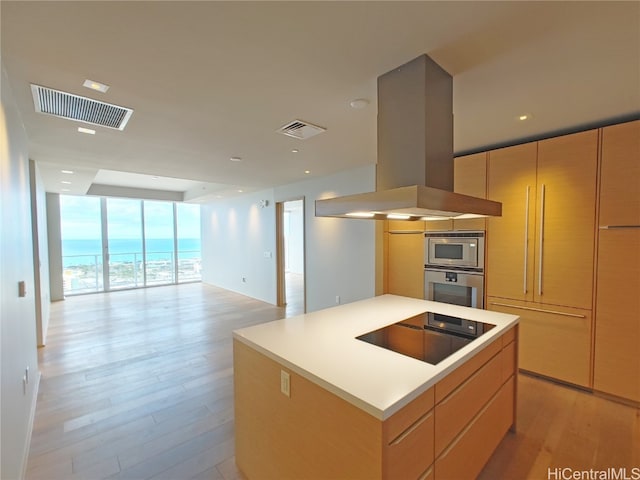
x,y
40,252
340,253
17,314
235,236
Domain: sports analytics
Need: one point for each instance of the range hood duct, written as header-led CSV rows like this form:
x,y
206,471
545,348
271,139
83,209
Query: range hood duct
x,y
414,173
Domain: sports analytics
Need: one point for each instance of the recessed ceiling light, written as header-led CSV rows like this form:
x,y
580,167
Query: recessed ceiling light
x,y
65,190
295,150
359,103
65,182
97,86
240,191
86,130
236,159
68,172
524,116
307,171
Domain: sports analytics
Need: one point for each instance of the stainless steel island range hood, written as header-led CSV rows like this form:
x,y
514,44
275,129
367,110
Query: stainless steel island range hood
x,y
414,173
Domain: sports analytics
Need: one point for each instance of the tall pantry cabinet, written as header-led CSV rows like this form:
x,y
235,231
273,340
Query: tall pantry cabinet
x,y
540,253
617,326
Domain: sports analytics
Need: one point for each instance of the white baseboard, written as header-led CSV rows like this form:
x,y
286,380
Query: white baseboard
x,y
32,416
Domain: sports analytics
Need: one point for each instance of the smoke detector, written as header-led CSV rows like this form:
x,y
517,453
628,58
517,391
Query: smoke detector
x,y
80,109
301,129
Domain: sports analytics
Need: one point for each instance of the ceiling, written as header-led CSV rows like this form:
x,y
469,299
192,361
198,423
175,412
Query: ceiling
x,y
213,80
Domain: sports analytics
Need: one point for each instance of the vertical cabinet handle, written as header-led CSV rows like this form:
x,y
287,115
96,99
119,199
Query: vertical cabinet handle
x,y
541,239
526,240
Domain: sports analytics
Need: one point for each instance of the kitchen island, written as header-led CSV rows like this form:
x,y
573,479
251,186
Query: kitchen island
x,y
313,401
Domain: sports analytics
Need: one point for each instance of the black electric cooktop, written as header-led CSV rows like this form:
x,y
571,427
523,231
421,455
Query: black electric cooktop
x,y
415,338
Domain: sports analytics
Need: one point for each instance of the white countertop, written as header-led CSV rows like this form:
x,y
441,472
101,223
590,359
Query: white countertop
x,y
322,347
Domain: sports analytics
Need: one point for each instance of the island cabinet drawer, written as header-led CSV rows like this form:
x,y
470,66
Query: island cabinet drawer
x,y
459,408
449,383
407,416
408,439
410,455
468,453
509,361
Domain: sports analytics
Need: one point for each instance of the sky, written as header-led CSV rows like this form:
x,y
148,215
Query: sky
x,y
80,218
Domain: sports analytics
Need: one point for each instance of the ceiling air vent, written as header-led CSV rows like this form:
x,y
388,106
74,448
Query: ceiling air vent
x,y
81,109
300,129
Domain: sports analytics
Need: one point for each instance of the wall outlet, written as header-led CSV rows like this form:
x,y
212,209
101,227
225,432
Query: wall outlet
x,y
267,255
24,385
337,299
285,383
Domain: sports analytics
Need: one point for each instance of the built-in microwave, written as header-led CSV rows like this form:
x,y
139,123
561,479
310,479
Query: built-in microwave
x,y
463,250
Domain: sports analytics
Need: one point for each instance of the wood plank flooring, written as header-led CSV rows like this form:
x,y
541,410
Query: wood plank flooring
x,y
138,385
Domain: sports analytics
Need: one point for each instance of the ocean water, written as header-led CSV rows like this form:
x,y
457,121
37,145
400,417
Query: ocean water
x,y
83,252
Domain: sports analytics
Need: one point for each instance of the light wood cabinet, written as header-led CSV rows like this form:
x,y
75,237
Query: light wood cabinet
x,y
540,253
407,438
470,178
617,305
565,233
620,175
313,422
476,410
405,264
542,247
510,238
315,434
617,335
554,341
460,407
467,455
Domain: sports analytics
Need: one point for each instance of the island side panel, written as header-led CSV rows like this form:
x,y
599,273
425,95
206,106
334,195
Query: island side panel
x,y
310,434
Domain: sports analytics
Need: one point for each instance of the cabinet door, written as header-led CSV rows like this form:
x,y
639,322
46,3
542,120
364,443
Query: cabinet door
x,y
566,206
470,178
512,181
405,264
617,363
404,226
555,342
620,175
438,225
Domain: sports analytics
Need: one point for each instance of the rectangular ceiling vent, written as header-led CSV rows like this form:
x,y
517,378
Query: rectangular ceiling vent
x,y
300,129
81,109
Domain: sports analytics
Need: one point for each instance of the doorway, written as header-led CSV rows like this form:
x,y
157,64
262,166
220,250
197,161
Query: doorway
x,y
291,258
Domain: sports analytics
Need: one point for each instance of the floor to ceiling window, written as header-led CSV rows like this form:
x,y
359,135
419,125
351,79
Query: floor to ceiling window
x,y
82,253
115,243
124,233
159,240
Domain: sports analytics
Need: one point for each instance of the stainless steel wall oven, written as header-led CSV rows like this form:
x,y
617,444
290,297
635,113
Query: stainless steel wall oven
x,y
454,273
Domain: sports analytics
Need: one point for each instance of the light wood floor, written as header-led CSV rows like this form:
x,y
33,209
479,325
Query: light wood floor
x,y
138,384
294,293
